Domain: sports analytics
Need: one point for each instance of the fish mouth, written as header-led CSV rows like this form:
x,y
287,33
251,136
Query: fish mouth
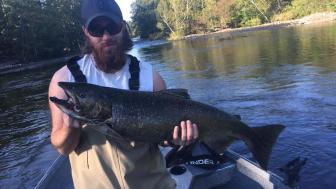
x,y
65,105
61,102
68,105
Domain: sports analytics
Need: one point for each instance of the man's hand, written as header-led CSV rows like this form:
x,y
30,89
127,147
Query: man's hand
x,y
188,130
65,132
185,134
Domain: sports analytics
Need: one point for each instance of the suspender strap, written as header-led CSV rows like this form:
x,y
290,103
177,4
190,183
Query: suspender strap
x,y
134,69
75,70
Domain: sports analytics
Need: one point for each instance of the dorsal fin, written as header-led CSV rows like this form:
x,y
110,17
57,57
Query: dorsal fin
x,y
179,93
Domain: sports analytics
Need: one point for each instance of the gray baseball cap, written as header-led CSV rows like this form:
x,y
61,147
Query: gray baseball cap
x,y
91,9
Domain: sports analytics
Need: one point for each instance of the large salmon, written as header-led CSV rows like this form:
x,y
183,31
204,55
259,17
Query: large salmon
x,y
151,117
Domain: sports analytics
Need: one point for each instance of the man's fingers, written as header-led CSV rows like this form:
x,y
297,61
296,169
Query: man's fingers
x,y
183,133
190,132
176,133
195,130
186,133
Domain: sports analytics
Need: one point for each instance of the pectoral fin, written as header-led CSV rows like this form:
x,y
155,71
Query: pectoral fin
x,y
106,130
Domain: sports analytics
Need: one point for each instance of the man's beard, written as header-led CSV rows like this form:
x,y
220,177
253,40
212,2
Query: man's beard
x,y
109,60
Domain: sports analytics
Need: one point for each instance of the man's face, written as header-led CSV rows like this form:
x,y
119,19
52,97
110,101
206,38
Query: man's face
x,y
105,38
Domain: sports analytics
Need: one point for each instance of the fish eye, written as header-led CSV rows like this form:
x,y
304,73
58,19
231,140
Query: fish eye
x,y
77,108
81,95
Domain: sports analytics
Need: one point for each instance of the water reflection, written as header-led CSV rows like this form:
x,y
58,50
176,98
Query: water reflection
x,y
283,76
267,49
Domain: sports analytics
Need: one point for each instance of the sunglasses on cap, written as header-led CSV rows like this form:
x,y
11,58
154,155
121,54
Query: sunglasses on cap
x,y
96,29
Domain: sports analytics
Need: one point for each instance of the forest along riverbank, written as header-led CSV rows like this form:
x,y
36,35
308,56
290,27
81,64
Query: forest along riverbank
x,y
316,18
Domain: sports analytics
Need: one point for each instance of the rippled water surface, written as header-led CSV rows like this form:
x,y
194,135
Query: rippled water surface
x,y
285,76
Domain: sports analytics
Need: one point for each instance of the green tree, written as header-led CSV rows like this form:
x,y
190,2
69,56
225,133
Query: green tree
x,y
34,29
178,15
249,12
63,29
144,18
215,14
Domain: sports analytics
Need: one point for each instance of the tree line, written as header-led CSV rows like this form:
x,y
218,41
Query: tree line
x,y
33,30
177,18
39,29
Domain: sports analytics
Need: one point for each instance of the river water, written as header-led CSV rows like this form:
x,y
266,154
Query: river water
x,y
285,76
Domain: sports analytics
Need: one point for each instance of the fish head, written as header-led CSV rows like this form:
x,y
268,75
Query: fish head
x,y
81,102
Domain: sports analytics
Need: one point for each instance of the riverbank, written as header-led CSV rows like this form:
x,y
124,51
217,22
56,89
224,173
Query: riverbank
x,y
16,67
228,33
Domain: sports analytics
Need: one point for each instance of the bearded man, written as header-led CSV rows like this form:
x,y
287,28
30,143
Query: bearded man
x,y
99,161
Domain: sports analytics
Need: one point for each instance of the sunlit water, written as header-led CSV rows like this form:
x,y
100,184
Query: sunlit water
x,y
285,76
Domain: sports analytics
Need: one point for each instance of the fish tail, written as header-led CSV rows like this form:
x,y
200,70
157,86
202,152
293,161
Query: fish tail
x,y
263,141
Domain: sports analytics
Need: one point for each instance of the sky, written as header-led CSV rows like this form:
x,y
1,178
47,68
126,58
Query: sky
x,y
125,6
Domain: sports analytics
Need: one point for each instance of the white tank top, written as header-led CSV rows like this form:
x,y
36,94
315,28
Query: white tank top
x,y
118,79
